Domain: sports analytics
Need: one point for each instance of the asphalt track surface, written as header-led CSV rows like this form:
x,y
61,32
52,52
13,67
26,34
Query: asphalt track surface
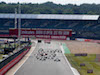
x,y
33,66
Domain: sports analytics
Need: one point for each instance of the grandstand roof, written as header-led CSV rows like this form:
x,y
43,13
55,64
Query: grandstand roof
x,y
51,16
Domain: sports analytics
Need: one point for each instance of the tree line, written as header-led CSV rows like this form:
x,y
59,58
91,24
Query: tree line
x,y
51,8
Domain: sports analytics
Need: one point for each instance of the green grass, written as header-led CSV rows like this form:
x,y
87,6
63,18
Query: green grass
x,y
1,56
89,62
7,45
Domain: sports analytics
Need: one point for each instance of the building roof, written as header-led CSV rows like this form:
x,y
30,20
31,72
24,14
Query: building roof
x,y
51,16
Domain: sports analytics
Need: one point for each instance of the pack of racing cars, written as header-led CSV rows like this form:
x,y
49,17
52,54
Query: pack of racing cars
x,y
43,55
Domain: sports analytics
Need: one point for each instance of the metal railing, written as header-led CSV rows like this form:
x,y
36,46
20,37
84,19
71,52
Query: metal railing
x,y
11,57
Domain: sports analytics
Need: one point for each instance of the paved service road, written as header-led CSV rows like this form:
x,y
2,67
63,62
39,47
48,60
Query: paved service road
x,y
34,66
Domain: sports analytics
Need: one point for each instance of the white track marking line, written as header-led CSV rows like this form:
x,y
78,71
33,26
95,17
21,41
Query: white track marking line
x,y
69,63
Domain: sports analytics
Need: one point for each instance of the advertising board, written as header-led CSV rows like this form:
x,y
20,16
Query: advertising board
x,y
43,33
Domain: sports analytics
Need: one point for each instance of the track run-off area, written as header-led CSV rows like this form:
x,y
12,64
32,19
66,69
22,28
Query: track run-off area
x,y
38,66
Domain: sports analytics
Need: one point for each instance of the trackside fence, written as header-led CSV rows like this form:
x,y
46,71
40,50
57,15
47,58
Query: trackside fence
x,y
10,61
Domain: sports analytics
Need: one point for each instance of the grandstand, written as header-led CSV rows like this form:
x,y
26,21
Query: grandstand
x,y
85,26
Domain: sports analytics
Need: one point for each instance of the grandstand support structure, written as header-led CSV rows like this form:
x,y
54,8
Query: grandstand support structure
x,y
19,24
15,18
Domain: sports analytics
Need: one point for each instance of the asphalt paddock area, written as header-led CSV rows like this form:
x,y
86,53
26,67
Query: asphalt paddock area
x,y
44,61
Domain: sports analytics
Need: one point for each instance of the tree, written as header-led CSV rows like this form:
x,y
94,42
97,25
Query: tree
x,y
51,8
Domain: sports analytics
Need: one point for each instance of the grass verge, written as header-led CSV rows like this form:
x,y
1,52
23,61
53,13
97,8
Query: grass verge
x,y
89,62
1,56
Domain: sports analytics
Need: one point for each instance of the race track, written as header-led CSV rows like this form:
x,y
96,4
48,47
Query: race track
x,y
34,66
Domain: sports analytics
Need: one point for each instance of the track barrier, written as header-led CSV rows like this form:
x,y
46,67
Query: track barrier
x,y
9,62
88,40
